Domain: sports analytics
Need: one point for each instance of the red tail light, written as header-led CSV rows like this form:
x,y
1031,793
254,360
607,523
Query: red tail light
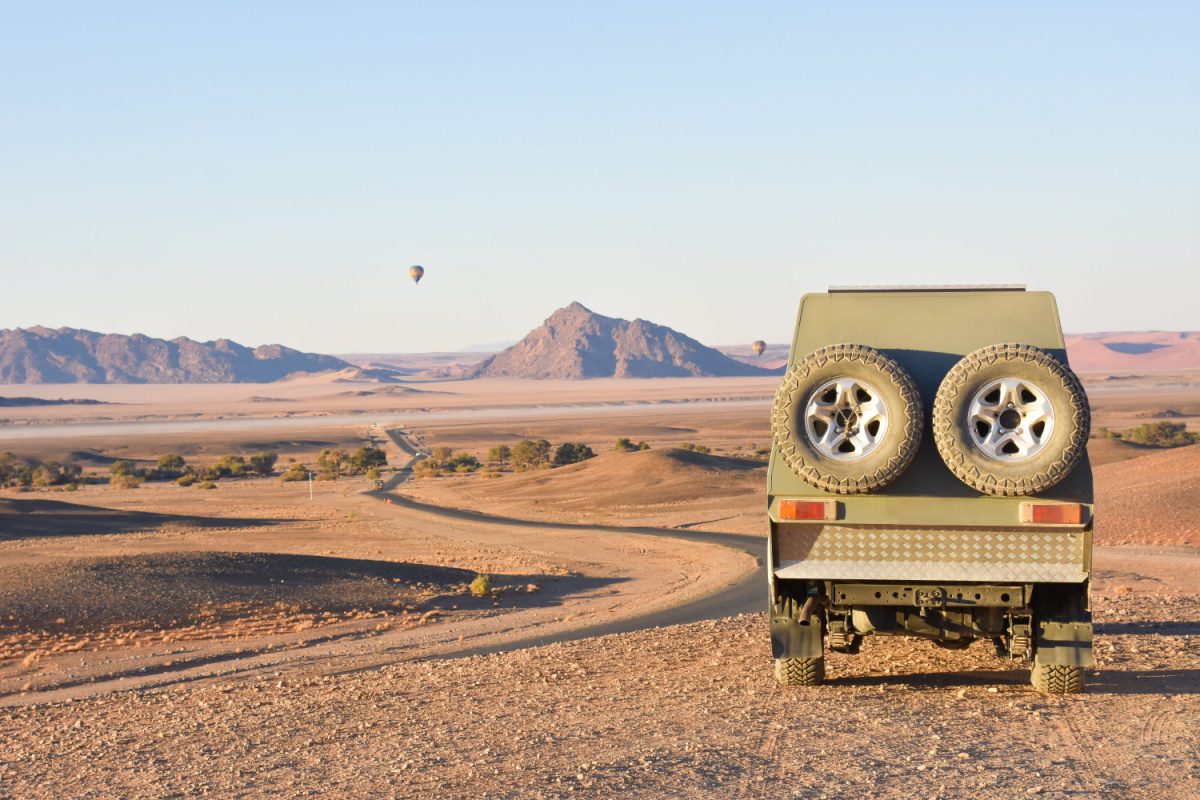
x,y
807,509
1052,513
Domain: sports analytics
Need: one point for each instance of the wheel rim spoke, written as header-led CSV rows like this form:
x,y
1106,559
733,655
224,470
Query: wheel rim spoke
x,y
845,419
1010,419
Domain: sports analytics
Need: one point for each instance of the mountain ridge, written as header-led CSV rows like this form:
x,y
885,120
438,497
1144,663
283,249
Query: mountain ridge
x,y
74,355
575,342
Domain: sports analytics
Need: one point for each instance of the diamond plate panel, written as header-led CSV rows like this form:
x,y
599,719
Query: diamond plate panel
x,y
837,552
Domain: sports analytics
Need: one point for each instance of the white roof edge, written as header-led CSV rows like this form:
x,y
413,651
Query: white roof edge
x,y
981,287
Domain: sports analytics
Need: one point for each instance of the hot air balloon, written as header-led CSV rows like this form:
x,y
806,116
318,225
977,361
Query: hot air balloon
x,y
758,347
416,272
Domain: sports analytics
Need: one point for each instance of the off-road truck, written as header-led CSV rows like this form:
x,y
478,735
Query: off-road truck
x,y
929,477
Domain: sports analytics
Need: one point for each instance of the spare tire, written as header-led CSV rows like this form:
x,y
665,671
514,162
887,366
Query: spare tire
x,y
1011,419
847,419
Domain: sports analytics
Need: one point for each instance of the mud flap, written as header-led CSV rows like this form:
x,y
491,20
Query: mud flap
x,y
791,638
1065,643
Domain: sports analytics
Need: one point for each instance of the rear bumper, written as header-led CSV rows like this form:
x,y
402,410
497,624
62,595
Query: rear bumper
x,y
885,553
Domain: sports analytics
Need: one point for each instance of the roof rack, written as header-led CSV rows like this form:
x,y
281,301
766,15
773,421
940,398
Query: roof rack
x,y
982,287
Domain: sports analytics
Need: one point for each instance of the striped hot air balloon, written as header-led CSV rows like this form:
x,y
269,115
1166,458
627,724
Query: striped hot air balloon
x,y
416,272
758,347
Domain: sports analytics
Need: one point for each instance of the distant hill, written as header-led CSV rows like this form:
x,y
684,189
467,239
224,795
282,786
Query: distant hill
x,y
1139,351
576,342
68,355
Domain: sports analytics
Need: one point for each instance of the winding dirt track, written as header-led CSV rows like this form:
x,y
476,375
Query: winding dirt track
x,y
747,595
660,589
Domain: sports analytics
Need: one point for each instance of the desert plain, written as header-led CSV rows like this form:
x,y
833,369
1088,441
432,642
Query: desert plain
x,y
270,639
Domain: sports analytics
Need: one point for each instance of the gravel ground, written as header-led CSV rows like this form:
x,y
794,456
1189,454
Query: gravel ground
x,y
684,711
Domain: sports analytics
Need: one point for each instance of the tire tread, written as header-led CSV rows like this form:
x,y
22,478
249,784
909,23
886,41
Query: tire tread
x,y
944,421
799,671
785,430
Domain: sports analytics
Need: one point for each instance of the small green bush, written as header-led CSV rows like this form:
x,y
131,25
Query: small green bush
x,y
572,453
120,481
481,586
695,448
295,472
1161,434
206,485
186,480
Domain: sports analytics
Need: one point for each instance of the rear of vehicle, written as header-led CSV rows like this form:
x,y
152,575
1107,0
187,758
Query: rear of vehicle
x,y
929,478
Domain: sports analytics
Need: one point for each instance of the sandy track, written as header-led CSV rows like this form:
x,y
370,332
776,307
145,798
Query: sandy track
x,y
683,711
618,580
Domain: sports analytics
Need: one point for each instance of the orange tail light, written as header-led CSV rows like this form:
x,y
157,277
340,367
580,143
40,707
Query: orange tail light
x,y
1052,513
808,509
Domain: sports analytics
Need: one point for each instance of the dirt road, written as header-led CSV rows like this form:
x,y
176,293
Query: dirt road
x,y
602,579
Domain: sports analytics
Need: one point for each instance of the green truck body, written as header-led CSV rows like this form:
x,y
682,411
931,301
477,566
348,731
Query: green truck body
x,y
927,554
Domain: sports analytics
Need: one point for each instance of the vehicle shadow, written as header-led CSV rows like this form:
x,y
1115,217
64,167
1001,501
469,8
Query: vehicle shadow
x,y
1106,682
939,680
1145,681
28,519
1148,628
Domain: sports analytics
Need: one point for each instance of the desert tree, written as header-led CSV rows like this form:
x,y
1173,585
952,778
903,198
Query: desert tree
x,y
572,453
366,458
262,463
530,454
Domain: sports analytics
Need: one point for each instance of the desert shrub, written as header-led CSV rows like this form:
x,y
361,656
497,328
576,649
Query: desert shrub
x,y
530,454
262,463
16,470
70,487
643,446
1161,434
206,485
42,476
372,473
52,473
366,458
499,454
169,466
624,445
123,468
331,463
572,453
695,448
124,481
462,462
481,586
209,473
231,466
186,480
440,455
295,472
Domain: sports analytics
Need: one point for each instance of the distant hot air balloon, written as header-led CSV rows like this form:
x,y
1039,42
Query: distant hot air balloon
x,y
758,347
416,273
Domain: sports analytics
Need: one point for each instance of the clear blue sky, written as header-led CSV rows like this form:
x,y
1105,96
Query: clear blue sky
x,y
267,171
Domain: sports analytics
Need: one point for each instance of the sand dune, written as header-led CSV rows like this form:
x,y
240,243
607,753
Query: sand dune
x,y
663,487
1139,351
1153,499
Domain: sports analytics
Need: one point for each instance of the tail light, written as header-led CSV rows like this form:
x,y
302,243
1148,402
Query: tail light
x,y
808,509
1052,513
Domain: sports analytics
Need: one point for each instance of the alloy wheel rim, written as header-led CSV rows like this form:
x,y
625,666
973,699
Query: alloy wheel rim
x,y
1011,420
846,419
